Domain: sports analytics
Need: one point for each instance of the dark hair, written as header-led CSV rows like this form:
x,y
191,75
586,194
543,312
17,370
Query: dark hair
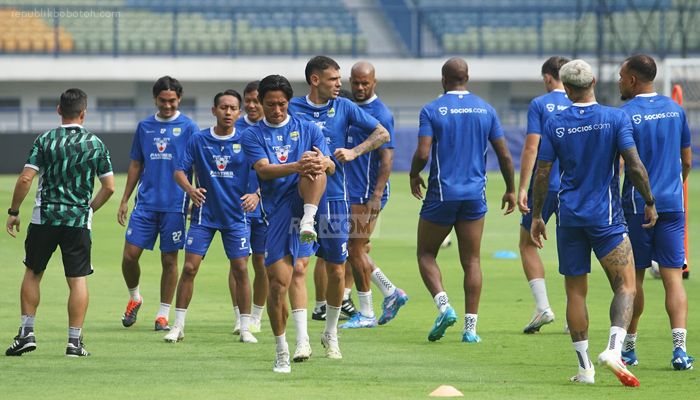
x,y
275,82
228,92
553,65
346,93
643,66
319,64
167,83
251,87
72,103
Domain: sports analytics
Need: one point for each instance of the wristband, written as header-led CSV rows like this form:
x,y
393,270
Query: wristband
x,y
12,212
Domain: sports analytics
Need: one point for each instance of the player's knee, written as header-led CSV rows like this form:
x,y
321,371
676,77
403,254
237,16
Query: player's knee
x,y
189,270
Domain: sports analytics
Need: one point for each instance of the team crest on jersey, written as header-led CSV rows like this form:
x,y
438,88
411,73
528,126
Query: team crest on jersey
x,y
282,153
331,112
236,148
161,143
637,119
294,135
221,161
162,130
560,132
550,107
443,110
177,131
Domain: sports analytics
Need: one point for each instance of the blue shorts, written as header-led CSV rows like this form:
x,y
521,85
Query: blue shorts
x,y
236,240
574,246
145,226
664,243
282,237
333,230
258,231
448,212
364,200
551,203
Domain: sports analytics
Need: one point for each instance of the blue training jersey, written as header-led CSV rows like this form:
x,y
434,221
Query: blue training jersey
x,y
241,125
660,132
334,118
281,144
159,144
221,168
461,124
362,172
540,110
587,139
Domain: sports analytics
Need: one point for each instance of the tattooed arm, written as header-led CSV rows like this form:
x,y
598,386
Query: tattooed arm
x,y
640,179
378,137
539,194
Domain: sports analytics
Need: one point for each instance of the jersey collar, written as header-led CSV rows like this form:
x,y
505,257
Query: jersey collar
x,y
652,94
281,124
458,92
171,119
217,137
72,125
312,104
559,90
248,121
371,99
585,104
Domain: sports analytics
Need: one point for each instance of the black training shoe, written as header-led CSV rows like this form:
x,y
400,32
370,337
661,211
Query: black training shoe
x,y
347,309
22,344
319,315
76,351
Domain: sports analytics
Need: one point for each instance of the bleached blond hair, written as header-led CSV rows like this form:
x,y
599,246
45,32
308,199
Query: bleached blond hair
x,y
577,73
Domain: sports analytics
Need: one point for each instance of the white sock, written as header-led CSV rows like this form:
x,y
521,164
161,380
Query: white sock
x,y
679,335
180,317
617,336
309,212
245,322
470,322
581,348
346,293
163,311
27,324
365,300
332,315
441,301
382,282
134,293
301,323
630,342
319,304
257,313
236,313
539,292
281,342
74,335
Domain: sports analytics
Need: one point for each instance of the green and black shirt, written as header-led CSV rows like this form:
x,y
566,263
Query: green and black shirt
x,y
68,159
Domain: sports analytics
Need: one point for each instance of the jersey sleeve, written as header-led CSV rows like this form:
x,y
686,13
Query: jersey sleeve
x,y
359,118
625,138
318,140
496,130
252,147
534,124
546,152
104,162
187,159
425,127
387,121
685,131
36,155
136,150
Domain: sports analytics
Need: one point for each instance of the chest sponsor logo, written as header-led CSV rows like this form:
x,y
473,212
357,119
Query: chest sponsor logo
x,y
638,118
161,144
464,110
583,129
221,162
282,153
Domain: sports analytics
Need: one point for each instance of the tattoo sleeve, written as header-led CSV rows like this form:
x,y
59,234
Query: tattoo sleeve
x,y
378,137
541,186
637,173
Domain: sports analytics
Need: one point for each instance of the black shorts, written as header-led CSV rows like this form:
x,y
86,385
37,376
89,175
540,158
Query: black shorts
x,y
75,244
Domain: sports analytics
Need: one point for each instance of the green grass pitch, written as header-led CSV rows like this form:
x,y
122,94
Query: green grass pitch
x,y
392,361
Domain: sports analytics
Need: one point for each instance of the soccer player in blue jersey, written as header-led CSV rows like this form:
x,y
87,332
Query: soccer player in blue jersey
x,y
334,115
160,205
662,137
587,139
258,228
291,159
368,189
454,131
541,108
220,201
